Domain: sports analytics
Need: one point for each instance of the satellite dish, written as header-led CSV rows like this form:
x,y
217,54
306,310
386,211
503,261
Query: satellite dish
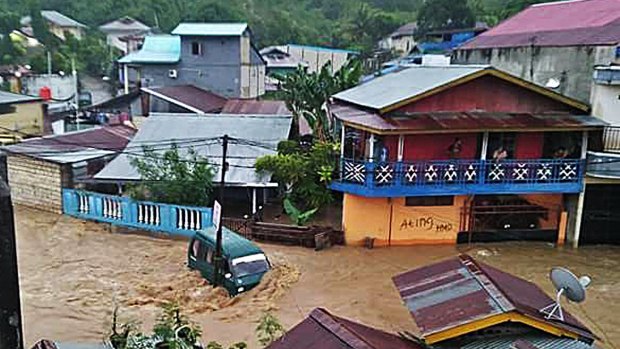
x,y
567,284
553,83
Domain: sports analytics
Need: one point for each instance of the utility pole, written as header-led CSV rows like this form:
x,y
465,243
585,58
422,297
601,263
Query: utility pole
x,y
218,236
10,311
76,95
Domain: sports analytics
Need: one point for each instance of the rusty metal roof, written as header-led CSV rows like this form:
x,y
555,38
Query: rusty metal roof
x,y
322,330
254,107
462,121
189,97
461,291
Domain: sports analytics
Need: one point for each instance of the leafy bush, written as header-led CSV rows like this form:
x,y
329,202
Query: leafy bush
x,y
298,217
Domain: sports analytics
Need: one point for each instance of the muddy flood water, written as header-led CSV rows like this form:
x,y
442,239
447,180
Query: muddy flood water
x,y
73,273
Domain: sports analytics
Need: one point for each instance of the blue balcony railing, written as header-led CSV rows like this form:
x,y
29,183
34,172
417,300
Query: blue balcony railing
x,y
453,177
122,211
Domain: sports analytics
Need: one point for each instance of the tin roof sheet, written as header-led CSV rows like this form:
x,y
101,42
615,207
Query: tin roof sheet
x,y
463,121
392,88
156,49
203,132
460,291
126,23
250,106
322,330
13,98
526,341
197,99
561,23
210,29
76,146
61,20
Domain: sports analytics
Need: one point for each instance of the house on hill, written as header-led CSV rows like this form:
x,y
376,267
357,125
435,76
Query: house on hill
x,y
555,44
58,24
20,117
218,57
126,33
452,154
466,304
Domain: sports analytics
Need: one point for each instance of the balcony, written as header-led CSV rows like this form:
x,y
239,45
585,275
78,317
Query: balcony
x,y
459,177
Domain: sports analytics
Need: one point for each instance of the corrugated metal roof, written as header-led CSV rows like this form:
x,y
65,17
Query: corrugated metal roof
x,y
390,89
156,49
461,291
321,49
189,96
13,98
537,341
405,29
61,20
561,23
210,29
76,146
322,330
277,57
124,24
463,121
250,106
193,129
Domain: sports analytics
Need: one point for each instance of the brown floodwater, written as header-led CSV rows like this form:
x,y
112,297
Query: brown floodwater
x,y
73,273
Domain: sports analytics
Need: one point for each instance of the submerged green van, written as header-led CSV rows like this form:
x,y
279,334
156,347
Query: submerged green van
x,y
244,263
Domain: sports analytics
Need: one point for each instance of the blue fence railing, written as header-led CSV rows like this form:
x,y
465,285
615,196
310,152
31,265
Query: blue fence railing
x,y
460,176
123,211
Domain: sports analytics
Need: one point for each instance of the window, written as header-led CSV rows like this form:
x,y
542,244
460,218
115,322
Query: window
x,y
196,48
209,255
195,248
7,109
429,201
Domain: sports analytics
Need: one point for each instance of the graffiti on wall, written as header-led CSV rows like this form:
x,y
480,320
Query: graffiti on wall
x,y
428,223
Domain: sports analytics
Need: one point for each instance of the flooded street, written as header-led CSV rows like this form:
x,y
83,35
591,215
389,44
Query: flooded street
x,y
73,273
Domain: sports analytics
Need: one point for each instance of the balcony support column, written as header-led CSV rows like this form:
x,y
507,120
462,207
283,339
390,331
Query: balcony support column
x,y
578,210
485,146
371,148
342,140
401,147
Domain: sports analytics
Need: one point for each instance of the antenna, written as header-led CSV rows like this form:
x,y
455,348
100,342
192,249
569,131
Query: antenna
x,y
567,284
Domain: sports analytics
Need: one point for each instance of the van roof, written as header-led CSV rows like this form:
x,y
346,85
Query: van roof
x,y
233,244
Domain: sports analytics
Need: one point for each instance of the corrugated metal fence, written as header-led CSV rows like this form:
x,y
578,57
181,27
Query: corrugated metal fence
x,y
123,211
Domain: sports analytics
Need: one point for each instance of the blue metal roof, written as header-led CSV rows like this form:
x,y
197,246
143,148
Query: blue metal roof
x,y
156,49
210,29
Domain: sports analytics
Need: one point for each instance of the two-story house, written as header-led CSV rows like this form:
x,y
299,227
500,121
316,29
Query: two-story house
x,y
460,153
218,57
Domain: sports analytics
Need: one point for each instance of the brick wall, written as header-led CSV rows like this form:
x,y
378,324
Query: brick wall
x,y
36,183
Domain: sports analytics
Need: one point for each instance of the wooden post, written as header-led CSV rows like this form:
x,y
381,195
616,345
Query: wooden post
x,y
582,194
401,147
11,335
562,228
253,201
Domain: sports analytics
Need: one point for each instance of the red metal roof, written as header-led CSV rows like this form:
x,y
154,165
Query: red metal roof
x,y
462,121
190,95
460,291
322,330
562,23
254,107
113,137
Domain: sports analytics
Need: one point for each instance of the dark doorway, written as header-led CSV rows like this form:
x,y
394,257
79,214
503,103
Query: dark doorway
x,y
601,215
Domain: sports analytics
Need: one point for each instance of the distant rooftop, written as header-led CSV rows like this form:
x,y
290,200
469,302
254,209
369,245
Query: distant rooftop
x,y
14,98
189,97
561,23
210,29
320,48
61,20
156,49
124,24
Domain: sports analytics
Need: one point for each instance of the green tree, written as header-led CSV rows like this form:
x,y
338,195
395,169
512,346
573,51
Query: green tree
x,y
444,14
173,178
306,94
364,27
303,173
269,329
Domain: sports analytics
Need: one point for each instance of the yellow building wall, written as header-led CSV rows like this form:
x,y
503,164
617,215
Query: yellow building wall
x,y
26,119
390,222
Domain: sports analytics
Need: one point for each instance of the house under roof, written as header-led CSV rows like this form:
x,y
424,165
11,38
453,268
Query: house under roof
x,y
405,30
76,146
124,24
276,58
190,97
210,29
322,330
252,136
14,98
61,20
157,49
561,23
460,296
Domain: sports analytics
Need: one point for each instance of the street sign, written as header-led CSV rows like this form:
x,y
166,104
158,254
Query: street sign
x,y
217,215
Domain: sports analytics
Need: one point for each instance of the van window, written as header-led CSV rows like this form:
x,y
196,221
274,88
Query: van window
x,y
195,248
249,265
209,255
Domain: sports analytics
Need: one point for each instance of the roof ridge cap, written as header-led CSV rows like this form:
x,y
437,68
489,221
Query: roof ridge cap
x,y
346,335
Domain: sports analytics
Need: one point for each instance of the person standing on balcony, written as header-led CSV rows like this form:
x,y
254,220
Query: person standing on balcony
x,y
560,153
454,150
500,154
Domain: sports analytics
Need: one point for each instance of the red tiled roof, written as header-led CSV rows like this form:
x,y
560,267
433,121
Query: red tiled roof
x,y
190,95
322,330
562,23
460,291
462,121
254,107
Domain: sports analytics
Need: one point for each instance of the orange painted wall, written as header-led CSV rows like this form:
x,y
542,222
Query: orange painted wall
x,y
390,222
553,202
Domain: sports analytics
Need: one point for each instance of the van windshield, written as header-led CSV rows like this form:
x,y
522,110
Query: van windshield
x,y
248,265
